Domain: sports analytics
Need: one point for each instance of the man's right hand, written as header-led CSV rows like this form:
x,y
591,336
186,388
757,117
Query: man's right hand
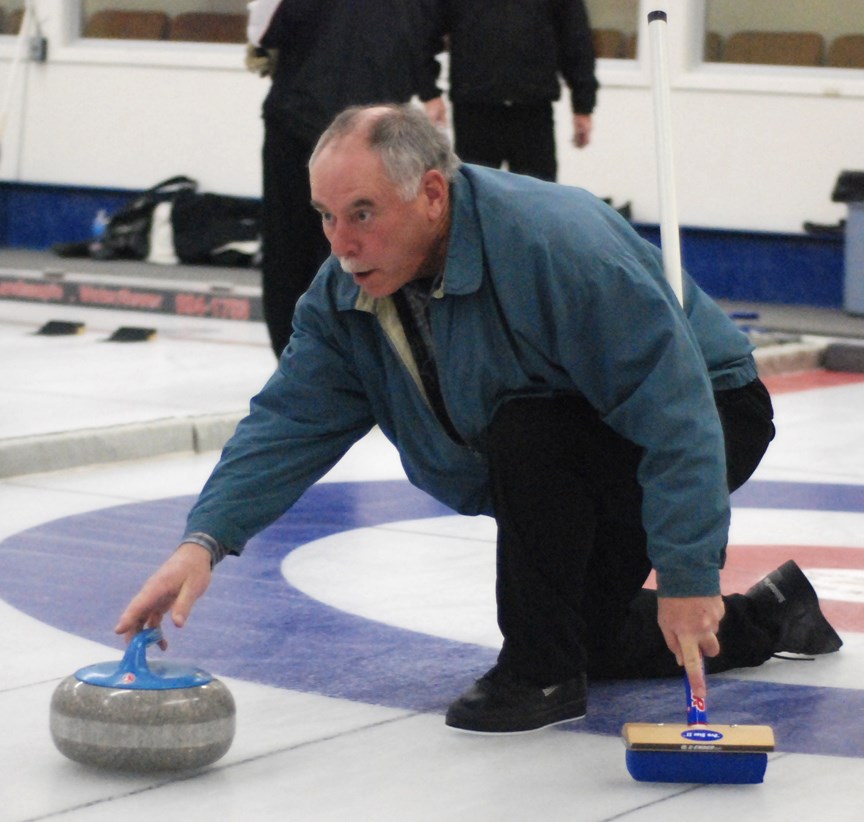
x,y
261,61
174,587
690,626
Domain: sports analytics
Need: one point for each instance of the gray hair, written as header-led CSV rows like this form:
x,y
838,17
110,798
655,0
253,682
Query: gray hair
x,y
407,141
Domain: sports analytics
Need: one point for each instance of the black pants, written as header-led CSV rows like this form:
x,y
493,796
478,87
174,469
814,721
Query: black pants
x,y
293,245
572,556
522,136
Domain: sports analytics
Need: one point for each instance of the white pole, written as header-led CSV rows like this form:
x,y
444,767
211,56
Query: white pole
x,y
670,240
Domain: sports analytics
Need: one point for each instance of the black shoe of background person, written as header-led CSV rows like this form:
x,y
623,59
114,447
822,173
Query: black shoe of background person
x,y
825,230
787,600
498,704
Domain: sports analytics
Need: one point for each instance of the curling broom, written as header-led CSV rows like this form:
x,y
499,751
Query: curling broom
x,y
697,752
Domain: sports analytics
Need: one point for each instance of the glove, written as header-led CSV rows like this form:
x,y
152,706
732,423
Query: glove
x,y
261,61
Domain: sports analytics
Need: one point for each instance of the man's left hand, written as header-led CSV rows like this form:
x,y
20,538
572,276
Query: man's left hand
x,y
582,125
436,111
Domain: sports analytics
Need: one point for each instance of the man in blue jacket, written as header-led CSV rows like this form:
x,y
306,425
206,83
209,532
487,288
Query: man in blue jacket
x,y
517,342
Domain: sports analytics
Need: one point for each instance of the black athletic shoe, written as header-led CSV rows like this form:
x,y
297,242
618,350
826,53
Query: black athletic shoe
x,y
790,603
498,704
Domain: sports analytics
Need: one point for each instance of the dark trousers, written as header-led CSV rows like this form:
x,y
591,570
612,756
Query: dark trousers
x,y
572,555
293,245
522,136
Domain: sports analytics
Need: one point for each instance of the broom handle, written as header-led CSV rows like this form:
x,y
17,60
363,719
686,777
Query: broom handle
x,y
670,241
670,238
696,711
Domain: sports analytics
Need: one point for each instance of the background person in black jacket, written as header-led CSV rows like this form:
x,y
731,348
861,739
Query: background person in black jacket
x,y
506,61
324,55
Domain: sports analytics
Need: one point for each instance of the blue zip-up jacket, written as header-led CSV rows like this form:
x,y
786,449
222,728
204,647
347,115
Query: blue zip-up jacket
x,y
546,290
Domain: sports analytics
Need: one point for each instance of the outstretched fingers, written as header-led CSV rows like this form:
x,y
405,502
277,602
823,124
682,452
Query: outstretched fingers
x,y
174,587
146,609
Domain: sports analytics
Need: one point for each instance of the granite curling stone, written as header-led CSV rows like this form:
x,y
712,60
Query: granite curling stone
x,y
140,717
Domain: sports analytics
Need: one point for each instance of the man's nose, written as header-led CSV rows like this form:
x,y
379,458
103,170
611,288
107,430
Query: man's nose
x,y
343,241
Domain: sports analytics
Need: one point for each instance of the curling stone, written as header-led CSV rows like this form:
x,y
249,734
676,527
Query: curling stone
x,y
140,717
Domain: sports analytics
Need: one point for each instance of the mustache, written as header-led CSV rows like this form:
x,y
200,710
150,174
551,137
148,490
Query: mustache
x,y
350,266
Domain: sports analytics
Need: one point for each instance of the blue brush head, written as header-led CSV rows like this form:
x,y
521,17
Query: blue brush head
x,y
702,768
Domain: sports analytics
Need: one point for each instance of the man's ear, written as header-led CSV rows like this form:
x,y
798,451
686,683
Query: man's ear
x,y
435,188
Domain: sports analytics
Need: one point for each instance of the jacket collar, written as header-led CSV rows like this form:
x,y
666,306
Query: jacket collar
x,y
463,271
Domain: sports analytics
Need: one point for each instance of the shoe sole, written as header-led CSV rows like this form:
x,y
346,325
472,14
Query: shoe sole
x,y
505,731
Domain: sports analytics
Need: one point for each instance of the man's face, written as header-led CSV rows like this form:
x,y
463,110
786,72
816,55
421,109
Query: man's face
x,y
378,238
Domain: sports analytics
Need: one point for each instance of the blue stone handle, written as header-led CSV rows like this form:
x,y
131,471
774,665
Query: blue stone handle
x,y
135,658
134,673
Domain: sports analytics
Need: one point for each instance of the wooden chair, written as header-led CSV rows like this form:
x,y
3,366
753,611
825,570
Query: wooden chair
x,y
847,52
127,25
776,48
13,21
713,52
608,43
203,27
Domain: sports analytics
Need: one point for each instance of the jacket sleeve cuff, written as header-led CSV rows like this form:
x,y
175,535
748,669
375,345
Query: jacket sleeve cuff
x,y
216,549
684,584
